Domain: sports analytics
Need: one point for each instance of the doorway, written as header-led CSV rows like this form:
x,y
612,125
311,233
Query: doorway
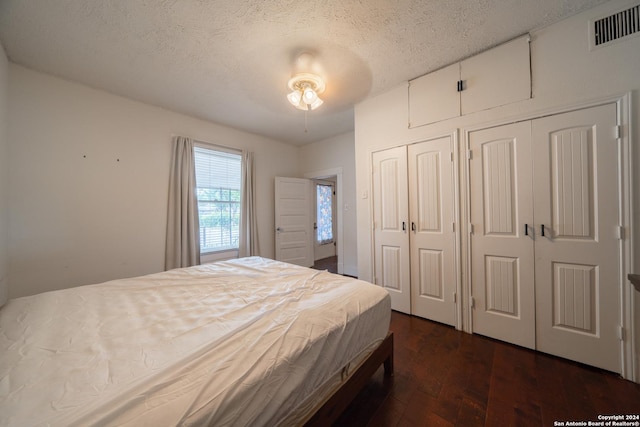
x,y
324,231
328,255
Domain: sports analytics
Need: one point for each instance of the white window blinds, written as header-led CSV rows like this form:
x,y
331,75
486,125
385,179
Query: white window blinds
x,y
218,180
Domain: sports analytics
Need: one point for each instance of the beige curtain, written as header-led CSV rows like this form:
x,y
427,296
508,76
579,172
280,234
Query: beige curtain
x,y
248,224
183,230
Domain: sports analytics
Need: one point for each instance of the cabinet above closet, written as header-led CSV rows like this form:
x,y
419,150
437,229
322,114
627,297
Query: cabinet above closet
x,y
496,77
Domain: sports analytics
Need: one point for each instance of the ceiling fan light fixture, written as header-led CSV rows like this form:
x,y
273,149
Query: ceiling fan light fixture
x,y
305,88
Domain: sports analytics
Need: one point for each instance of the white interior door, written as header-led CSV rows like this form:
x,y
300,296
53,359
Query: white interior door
x,y
502,271
293,212
432,241
390,216
577,260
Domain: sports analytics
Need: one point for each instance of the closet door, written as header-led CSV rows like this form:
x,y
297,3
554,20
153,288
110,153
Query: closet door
x,y
502,280
432,239
390,217
577,260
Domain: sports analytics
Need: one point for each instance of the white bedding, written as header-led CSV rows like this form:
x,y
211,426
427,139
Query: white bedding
x,y
242,342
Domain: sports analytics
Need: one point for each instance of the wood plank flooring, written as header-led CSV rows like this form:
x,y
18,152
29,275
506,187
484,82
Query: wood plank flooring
x,y
330,264
445,377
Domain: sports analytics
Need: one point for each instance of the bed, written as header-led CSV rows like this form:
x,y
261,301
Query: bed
x,y
250,341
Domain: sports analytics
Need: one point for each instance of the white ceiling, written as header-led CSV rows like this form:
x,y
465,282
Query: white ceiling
x,y
229,61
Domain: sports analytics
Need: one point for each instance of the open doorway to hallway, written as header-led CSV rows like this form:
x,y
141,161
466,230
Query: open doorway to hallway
x,y
324,222
327,220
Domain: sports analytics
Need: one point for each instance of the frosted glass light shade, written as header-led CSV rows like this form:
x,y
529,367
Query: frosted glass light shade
x,y
310,96
305,88
294,98
318,102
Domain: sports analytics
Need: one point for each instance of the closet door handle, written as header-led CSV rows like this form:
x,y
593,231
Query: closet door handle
x,y
404,226
542,230
526,229
413,226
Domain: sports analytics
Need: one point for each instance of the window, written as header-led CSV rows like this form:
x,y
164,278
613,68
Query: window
x,y
324,214
218,180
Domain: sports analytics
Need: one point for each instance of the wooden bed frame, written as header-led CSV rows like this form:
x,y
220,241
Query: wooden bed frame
x,y
338,402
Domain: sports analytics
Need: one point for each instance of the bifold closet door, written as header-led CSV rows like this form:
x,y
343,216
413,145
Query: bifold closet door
x,y
578,258
544,203
391,217
501,208
432,237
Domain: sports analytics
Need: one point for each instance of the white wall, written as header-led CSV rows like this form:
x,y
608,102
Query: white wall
x,y
332,153
89,182
564,74
4,177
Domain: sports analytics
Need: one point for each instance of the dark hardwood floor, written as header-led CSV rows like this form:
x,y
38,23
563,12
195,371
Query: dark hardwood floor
x,y
445,377
330,264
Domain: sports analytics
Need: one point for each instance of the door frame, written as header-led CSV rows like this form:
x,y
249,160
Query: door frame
x,y
337,172
319,248
630,365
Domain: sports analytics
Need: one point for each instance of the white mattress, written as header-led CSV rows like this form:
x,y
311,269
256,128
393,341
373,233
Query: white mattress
x,y
242,342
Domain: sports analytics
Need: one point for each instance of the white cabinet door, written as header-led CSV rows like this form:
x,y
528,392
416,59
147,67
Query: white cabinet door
x,y
432,238
434,97
502,280
496,77
391,217
577,260
499,76
293,212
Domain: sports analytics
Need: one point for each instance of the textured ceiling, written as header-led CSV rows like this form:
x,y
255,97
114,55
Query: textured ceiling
x,y
229,61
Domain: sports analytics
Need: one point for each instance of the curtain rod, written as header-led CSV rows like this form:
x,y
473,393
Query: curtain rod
x,y
199,141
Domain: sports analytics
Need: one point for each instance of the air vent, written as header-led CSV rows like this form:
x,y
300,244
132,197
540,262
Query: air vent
x,y
617,26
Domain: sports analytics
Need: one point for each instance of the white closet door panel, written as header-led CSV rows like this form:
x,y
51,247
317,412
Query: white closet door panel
x,y
499,187
391,263
391,218
502,285
502,279
496,77
432,239
434,97
430,283
577,261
